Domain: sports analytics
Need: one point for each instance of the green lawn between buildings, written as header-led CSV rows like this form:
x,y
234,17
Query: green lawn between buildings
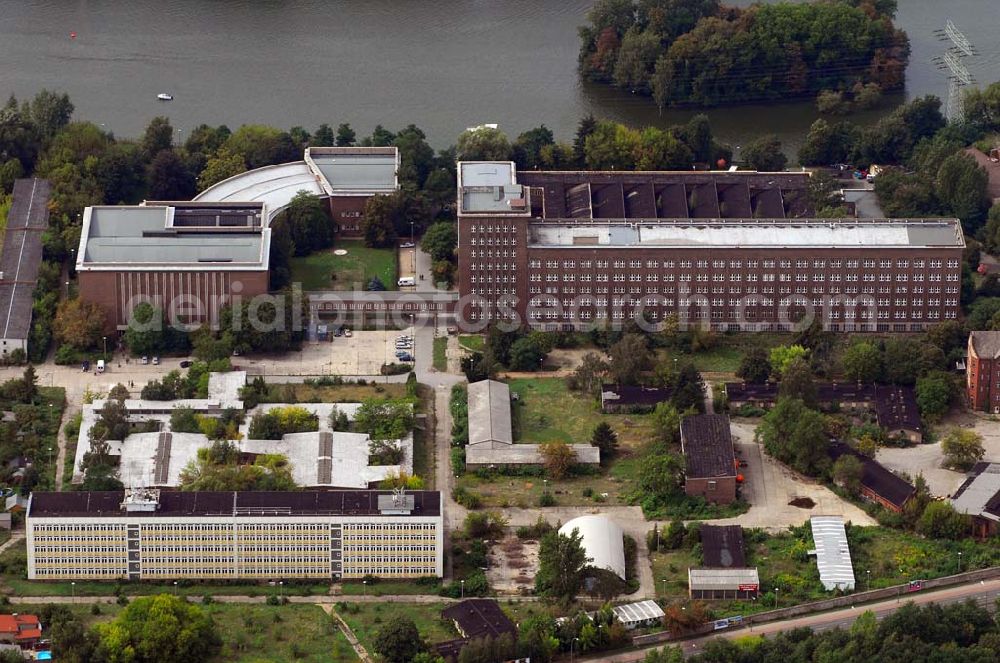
x,y
365,619
441,353
351,272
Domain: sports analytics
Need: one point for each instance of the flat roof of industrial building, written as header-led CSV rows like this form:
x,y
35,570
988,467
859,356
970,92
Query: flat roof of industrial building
x,y
722,546
355,170
707,445
145,237
27,219
750,233
88,504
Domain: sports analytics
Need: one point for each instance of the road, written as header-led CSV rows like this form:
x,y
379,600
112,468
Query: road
x,y
984,593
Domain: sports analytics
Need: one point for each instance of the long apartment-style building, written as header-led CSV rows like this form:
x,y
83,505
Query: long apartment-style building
x,y
148,534
736,250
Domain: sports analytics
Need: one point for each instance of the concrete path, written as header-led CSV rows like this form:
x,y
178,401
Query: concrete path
x,y
348,633
14,538
223,598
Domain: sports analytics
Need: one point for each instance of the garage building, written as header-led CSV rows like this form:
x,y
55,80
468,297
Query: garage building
x,y
712,584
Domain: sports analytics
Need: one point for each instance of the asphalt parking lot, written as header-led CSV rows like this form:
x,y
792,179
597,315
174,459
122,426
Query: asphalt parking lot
x,y
364,352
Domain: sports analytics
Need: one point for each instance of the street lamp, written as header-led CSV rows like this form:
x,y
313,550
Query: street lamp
x,y
281,589
868,580
105,338
463,589
73,588
959,561
365,583
776,598
175,588
571,649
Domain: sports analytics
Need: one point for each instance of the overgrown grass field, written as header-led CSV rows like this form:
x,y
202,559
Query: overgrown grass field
x,y
350,272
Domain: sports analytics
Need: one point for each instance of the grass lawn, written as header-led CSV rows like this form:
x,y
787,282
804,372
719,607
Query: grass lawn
x,y
547,410
440,353
365,619
474,343
351,272
276,634
339,393
71,430
388,588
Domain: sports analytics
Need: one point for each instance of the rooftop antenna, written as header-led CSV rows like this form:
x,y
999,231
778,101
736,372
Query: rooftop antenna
x,y
959,77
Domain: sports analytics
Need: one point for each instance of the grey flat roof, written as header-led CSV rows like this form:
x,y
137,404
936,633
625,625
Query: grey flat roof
x,y
141,237
355,169
722,578
750,233
491,187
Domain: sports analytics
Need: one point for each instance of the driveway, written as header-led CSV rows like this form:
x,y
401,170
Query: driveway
x,y
769,486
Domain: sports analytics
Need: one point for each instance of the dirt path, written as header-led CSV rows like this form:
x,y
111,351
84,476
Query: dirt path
x,y
69,412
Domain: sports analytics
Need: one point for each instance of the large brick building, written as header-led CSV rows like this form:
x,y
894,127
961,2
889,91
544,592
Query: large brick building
x,y
709,458
733,250
189,259
982,374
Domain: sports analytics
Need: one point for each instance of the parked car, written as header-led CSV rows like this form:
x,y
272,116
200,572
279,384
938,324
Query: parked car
x,y
400,353
347,332
100,365
406,245
145,360
406,356
86,366
186,363
156,361
339,331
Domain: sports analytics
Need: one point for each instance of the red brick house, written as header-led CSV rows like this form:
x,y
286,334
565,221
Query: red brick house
x,y
982,375
710,467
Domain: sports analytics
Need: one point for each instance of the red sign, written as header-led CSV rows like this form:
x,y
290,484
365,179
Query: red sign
x,y
749,588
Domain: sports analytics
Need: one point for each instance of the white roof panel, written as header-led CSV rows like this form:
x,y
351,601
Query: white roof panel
x,y
833,555
602,540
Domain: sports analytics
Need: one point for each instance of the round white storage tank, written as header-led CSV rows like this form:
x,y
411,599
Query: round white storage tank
x,y
603,541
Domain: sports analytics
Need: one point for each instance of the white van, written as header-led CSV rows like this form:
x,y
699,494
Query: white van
x,y
100,365
406,281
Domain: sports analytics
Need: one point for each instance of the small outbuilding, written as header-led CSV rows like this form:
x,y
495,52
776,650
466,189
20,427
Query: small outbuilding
x,y
979,497
833,555
635,615
718,584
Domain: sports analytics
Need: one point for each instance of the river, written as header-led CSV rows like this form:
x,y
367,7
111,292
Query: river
x,y
442,65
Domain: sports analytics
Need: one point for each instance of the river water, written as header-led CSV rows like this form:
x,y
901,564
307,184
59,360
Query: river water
x,y
443,65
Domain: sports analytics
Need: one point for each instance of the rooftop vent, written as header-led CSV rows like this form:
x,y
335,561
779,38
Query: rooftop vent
x,y
141,500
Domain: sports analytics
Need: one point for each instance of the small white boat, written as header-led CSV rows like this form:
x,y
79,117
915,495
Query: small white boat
x,y
163,96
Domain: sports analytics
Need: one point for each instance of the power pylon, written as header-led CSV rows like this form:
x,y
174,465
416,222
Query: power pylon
x,y
959,77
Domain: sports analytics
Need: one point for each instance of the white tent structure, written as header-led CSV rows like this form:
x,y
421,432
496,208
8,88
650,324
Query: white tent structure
x,y
603,541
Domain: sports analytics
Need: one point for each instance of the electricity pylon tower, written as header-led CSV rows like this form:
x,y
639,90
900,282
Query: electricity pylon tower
x,y
959,77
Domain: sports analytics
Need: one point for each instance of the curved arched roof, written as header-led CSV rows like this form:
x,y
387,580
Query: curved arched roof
x,y
603,541
275,186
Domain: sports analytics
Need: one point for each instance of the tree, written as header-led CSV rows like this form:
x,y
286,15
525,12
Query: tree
x,y
863,362
755,366
867,445
561,560
796,435
961,186
390,216
764,154
687,388
310,227
78,323
605,439
940,520
673,538
935,392
261,145
526,354
666,422
847,472
158,629
222,166
323,137
483,144
629,358
589,375
384,419
661,477
398,640
345,135
827,144
159,136
170,178
527,149
962,448
440,241
782,355
557,457
906,359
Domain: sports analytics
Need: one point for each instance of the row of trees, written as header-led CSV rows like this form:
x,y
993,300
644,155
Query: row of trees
x,y
702,52
955,633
